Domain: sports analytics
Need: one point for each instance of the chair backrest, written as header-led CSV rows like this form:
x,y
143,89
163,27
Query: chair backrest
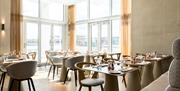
x,y
22,70
174,70
31,55
116,56
71,61
81,74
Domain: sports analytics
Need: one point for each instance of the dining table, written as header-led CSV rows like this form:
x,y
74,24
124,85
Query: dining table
x,y
158,62
111,76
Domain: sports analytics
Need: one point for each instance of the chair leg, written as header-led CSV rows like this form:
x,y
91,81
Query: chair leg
x,y
75,75
124,80
19,85
49,70
29,85
66,76
57,70
32,84
89,88
2,80
102,89
46,63
11,85
80,87
54,68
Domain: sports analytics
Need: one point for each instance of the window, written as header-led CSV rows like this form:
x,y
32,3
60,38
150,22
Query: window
x,y
105,33
103,20
57,37
51,9
30,8
116,36
95,34
82,6
99,8
116,7
46,32
46,41
81,37
31,36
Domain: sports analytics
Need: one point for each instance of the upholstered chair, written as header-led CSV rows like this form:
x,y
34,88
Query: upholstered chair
x,y
88,82
22,71
174,70
70,64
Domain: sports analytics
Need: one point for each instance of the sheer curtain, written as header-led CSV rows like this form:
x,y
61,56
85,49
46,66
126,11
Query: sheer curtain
x,y
126,33
15,21
71,26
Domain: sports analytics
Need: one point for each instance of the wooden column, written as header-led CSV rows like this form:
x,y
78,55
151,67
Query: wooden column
x,y
71,26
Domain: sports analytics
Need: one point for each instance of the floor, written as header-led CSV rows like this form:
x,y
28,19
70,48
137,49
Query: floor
x,y
44,83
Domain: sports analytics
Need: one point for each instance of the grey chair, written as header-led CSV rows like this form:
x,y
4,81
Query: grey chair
x,y
70,64
55,64
147,75
2,71
174,70
133,81
22,71
88,82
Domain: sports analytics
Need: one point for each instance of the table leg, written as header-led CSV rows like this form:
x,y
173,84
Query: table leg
x,y
111,83
63,72
157,69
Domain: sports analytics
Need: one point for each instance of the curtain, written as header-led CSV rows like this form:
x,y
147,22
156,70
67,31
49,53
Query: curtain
x,y
71,26
125,31
15,20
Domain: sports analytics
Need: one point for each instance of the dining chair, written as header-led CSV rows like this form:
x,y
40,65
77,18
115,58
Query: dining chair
x,y
88,82
133,81
115,56
55,64
22,71
70,64
31,55
3,71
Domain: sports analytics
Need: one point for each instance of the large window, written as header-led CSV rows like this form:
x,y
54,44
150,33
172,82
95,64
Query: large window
x,y
43,26
51,9
82,6
116,35
103,19
99,8
31,38
30,8
81,39
116,7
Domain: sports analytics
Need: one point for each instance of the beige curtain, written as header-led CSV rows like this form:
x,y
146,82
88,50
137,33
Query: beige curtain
x,y
125,31
15,25
71,26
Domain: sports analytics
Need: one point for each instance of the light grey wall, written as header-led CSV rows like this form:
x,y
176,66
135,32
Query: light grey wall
x,y
155,24
5,35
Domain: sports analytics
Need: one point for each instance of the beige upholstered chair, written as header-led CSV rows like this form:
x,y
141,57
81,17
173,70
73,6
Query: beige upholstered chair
x,y
133,81
88,82
22,71
55,64
174,70
70,66
31,55
147,75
